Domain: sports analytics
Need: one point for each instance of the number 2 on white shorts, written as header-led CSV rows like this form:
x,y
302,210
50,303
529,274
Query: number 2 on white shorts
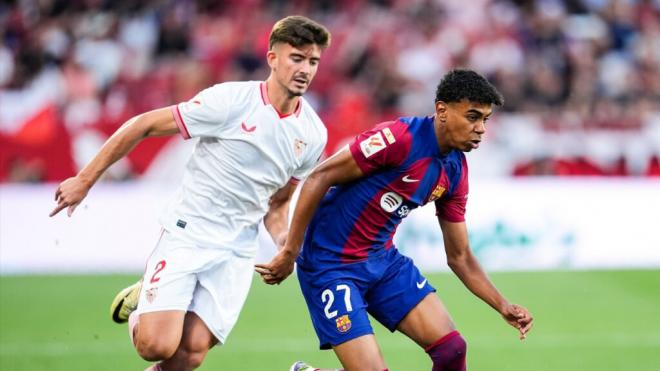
x,y
159,267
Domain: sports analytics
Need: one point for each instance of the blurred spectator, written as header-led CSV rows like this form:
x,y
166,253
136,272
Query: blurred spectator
x,y
581,78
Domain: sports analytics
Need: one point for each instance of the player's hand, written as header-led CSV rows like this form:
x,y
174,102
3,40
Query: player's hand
x,y
518,317
278,269
69,194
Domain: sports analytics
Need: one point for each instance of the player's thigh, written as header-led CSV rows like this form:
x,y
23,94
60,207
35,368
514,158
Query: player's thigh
x,y
195,343
196,335
170,275
427,322
168,285
337,309
397,292
160,331
221,293
360,354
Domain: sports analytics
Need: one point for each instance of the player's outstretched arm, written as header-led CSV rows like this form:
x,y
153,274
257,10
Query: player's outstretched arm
x,y
463,263
154,123
276,219
338,169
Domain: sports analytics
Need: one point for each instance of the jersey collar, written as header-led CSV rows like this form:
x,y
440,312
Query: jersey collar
x,y
264,98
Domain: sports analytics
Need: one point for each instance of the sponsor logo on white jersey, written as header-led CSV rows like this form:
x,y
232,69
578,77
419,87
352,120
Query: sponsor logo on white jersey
x,y
390,201
248,129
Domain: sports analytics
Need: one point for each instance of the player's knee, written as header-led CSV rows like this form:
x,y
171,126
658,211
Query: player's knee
x,y
448,353
151,349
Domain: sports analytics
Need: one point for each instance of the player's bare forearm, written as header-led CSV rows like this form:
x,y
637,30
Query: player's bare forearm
x,y
154,123
463,263
469,271
276,219
475,279
461,260
73,190
281,266
338,169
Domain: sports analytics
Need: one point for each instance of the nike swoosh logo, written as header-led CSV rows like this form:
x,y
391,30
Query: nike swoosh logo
x,y
408,179
421,284
247,129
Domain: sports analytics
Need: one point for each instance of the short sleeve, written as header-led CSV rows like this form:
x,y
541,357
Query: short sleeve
x,y
206,114
386,145
452,208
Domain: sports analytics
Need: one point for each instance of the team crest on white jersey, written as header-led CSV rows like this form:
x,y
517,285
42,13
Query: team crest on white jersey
x,y
298,147
390,201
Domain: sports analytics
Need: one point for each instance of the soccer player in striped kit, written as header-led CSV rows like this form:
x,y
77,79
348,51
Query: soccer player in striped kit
x,y
346,217
257,140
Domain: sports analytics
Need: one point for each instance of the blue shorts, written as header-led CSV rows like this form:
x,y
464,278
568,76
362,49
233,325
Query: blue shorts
x,y
339,297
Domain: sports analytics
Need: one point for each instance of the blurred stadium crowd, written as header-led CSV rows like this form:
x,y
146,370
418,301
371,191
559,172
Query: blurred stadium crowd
x,y
581,78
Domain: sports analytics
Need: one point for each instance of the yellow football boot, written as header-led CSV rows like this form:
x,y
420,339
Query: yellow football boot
x,y
125,302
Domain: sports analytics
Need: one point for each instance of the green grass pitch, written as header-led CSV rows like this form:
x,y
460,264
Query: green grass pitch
x,y
597,320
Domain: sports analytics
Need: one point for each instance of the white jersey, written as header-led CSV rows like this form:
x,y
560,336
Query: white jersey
x,y
246,152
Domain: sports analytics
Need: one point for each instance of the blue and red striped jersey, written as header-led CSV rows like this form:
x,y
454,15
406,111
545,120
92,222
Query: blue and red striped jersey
x,y
403,169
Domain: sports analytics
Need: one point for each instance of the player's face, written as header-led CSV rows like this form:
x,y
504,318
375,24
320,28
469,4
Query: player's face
x,y
294,67
463,123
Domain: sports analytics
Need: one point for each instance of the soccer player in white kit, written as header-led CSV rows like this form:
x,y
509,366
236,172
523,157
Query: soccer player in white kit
x,y
257,140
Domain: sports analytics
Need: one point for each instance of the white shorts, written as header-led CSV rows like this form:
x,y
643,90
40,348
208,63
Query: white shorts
x,y
211,282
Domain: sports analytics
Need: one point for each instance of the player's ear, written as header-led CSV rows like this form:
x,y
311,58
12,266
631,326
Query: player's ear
x,y
441,110
271,57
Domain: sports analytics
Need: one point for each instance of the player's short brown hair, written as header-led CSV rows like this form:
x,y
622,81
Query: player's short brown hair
x,y
297,31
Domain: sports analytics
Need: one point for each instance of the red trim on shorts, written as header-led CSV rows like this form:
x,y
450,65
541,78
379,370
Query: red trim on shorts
x,y
442,340
162,232
179,122
294,180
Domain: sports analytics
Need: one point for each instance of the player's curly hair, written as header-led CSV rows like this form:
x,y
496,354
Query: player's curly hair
x,y
297,30
461,84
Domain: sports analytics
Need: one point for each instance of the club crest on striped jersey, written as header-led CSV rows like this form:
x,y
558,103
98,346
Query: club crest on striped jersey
x,y
377,142
437,193
343,323
390,201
